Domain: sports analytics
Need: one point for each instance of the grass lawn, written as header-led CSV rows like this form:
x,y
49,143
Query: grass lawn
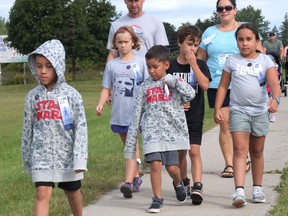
x,y
105,162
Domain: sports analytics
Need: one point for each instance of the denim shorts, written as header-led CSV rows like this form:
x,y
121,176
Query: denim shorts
x,y
119,129
168,158
256,125
69,186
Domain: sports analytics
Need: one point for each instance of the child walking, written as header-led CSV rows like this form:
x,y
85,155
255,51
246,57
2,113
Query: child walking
x,y
123,75
54,137
248,73
159,109
196,73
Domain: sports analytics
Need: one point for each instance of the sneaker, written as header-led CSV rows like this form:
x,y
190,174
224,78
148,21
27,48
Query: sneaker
x,y
196,194
137,181
127,189
258,195
238,198
272,117
186,183
156,205
140,169
180,192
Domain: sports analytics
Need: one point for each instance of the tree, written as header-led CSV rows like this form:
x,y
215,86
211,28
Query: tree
x,y
284,29
249,14
213,20
171,35
81,25
3,29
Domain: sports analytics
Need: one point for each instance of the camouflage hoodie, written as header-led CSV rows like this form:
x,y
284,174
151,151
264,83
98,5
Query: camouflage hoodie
x,y
49,152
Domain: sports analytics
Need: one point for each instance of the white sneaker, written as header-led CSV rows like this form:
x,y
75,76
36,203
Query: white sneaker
x,y
238,198
258,195
272,117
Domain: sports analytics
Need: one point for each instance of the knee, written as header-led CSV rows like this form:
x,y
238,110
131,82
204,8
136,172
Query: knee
x,y
43,193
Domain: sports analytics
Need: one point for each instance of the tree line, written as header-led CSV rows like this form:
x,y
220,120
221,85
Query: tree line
x,y
83,26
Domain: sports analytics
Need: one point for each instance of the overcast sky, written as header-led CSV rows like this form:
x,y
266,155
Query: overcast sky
x,y
180,11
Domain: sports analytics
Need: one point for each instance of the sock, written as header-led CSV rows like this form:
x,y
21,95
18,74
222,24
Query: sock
x,y
240,190
138,160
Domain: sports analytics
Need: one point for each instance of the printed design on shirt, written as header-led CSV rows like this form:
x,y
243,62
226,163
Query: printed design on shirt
x,y
185,76
124,85
250,69
48,109
140,33
157,94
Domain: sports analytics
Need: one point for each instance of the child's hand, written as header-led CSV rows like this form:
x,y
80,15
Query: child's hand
x,y
272,105
190,56
99,110
218,117
186,106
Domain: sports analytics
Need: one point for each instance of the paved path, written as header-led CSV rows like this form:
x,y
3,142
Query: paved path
x,y
217,191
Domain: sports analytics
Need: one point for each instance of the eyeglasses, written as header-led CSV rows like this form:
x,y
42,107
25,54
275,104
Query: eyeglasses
x,y
227,8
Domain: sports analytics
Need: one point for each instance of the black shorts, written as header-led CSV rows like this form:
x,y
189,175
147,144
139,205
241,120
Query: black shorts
x,y
211,93
195,133
68,186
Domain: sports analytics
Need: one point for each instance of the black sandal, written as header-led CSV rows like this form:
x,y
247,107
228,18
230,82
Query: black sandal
x,y
226,173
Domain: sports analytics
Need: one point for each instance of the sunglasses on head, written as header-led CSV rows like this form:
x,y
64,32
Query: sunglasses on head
x,y
227,8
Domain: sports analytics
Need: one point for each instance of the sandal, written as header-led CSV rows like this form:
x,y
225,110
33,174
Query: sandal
x,y
248,165
226,173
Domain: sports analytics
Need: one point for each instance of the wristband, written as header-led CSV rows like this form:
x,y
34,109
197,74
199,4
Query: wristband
x,y
278,100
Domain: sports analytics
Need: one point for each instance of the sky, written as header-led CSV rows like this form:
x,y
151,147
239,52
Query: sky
x,y
177,12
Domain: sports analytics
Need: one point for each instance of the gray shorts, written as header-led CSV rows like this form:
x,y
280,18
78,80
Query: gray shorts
x,y
168,158
256,125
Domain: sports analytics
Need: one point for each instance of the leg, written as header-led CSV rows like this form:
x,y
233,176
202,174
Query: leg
x,y
75,201
196,162
42,200
156,178
183,164
257,158
225,139
241,147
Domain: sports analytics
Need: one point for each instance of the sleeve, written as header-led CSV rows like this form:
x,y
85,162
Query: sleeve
x,y
110,37
27,135
160,36
107,81
227,64
186,91
205,70
133,131
81,134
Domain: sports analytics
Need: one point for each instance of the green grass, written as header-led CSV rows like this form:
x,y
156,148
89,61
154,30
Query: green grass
x,y
105,162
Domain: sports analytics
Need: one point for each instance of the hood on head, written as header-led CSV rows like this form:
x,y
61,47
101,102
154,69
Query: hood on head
x,y
54,51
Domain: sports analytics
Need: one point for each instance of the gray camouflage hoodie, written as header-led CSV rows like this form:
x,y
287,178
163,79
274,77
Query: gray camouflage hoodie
x,y
49,152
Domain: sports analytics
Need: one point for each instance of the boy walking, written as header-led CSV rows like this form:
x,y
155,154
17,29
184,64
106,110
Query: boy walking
x,y
54,135
196,73
159,108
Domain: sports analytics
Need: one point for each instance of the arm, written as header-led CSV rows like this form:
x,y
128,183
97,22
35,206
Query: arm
x,y
27,136
272,79
202,80
132,135
112,54
202,54
220,96
186,90
105,93
80,149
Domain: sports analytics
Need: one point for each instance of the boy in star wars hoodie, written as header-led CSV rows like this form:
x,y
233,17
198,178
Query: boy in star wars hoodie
x,y
54,135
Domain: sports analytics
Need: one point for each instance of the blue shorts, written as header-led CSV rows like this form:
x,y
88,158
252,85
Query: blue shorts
x,y
211,93
168,158
256,125
119,129
69,186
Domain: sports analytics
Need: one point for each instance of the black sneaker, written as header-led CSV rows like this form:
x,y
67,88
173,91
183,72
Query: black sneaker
x,y
180,192
186,183
127,189
156,206
196,193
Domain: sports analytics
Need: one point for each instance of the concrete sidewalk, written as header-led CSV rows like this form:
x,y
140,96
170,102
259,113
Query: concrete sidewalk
x,y
217,191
